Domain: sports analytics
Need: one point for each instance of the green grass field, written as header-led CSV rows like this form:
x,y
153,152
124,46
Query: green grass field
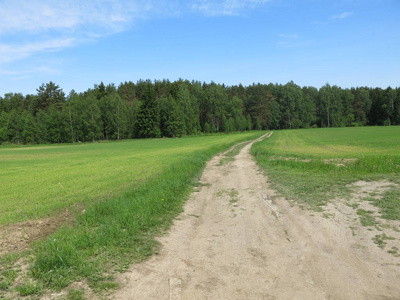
x,y
315,165
132,191
40,180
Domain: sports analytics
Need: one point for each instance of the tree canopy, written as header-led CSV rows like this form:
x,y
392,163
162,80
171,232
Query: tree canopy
x,y
148,109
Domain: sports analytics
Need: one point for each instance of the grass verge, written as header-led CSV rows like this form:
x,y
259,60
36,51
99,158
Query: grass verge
x,y
316,165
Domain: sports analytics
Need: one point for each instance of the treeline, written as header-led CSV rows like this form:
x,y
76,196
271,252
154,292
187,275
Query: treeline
x,y
171,109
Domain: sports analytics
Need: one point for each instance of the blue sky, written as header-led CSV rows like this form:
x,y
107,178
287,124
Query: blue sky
x,y
77,44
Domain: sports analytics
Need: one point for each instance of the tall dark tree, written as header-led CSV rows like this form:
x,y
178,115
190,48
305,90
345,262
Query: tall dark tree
x,y
361,105
309,111
396,111
259,101
379,113
148,119
127,91
47,95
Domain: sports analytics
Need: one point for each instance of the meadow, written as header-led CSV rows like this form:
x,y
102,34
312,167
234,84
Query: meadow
x,y
131,191
314,166
40,180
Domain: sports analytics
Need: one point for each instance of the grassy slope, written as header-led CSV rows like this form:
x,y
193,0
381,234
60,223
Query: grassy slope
x,y
121,229
294,160
38,180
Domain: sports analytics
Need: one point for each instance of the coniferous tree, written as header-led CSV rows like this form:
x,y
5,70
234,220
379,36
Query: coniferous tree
x,y
148,119
49,94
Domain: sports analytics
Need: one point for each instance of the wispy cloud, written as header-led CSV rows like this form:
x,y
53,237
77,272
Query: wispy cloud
x,y
27,72
36,16
35,27
30,27
10,53
291,40
343,15
225,7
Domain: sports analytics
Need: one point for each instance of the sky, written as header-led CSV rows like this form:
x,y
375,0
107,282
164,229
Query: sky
x,y
77,44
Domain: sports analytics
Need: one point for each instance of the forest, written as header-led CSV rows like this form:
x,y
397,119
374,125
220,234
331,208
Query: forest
x,y
161,108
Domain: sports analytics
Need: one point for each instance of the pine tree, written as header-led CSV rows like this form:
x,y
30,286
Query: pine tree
x,y
148,120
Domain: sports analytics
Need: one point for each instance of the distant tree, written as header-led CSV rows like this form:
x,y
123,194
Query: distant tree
x,y
396,111
56,129
100,90
231,126
28,134
148,119
48,94
92,125
50,126
207,128
390,101
127,92
72,115
249,123
188,108
114,113
162,88
361,105
12,101
259,102
379,112
14,127
325,106
213,104
347,112
171,124
3,127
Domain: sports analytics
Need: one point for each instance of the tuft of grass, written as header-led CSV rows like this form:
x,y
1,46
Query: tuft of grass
x,y
29,288
389,204
394,251
7,278
353,205
379,239
76,294
328,215
366,217
232,194
8,271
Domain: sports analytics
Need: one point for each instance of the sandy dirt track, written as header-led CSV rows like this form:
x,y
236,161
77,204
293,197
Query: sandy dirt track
x,y
236,240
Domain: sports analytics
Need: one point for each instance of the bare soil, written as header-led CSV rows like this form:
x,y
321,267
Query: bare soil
x,y
17,237
237,240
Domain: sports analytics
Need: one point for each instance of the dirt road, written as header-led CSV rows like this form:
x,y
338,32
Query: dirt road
x,y
235,240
